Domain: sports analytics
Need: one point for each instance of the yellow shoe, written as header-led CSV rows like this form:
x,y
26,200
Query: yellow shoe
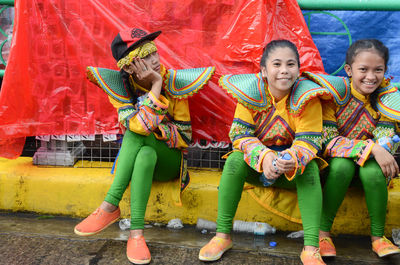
x,y
309,257
383,247
326,247
214,249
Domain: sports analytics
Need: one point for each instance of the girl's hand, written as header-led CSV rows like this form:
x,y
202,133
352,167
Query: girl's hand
x,y
284,165
269,170
144,71
386,161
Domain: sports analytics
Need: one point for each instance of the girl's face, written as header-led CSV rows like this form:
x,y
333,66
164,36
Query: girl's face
x,y
153,59
281,71
367,71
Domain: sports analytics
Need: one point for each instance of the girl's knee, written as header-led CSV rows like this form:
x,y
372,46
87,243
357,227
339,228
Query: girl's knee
x,y
147,155
235,166
373,178
341,169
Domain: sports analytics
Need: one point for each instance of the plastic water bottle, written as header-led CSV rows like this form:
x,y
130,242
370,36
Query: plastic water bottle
x,y
268,182
124,224
388,142
256,228
203,224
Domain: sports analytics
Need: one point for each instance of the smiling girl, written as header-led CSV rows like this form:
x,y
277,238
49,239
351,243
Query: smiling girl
x,y
352,124
267,124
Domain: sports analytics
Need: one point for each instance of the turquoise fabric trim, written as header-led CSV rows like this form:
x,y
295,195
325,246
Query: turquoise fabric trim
x,y
187,81
249,89
110,81
304,90
338,86
389,102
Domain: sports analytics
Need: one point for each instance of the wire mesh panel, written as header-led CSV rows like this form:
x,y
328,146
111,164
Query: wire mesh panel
x,y
100,151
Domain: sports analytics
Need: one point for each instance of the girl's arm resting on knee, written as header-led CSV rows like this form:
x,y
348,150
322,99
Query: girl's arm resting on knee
x,y
340,146
307,140
145,116
243,138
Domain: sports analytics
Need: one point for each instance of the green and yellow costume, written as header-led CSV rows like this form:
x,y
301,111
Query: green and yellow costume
x,y
351,126
158,130
261,125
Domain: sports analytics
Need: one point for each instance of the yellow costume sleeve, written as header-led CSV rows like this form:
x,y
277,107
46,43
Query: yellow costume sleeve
x,y
307,141
243,138
145,116
176,129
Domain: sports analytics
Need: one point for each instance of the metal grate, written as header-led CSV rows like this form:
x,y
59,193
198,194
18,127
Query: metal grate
x,y
100,152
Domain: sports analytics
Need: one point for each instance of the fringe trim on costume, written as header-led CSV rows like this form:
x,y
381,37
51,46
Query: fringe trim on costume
x,y
172,77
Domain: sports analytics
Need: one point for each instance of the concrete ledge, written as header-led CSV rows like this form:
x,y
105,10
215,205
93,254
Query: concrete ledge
x,y
78,191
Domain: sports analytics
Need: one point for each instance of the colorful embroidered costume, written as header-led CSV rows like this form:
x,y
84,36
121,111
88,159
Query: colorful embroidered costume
x,y
153,110
149,119
351,127
262,125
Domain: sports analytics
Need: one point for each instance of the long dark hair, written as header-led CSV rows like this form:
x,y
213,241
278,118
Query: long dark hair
x,y
128,86
368,44
271,46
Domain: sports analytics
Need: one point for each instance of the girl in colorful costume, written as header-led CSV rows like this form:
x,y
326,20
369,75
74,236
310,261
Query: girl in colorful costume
x,y
277,113
364,111
153,108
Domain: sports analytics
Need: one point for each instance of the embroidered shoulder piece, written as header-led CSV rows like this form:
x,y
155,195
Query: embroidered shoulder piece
x,y
303,91
338,86
110,81
248,89
186,82
389,101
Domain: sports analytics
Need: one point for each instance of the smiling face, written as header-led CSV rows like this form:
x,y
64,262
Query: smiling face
x,y
367,71
281,70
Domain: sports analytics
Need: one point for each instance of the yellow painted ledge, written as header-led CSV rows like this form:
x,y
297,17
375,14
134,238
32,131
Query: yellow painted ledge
x,y
78,191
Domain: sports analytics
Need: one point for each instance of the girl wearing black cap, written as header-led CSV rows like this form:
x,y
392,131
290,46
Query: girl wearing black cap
x,y
152,106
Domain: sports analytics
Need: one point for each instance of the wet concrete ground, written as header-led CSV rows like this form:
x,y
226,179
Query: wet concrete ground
x,y
33,239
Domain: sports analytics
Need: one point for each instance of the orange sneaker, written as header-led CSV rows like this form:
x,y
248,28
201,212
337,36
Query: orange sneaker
x,y
214,249
326,247
309,257
137,250
96,222
383,247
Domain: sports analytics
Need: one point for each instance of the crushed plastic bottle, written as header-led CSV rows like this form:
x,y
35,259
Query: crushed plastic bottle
x,y
256,228
396,236
297,234
206,224
175,224
124,224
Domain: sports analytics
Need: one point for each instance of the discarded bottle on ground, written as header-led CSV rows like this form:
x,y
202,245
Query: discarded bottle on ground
x,y
256,228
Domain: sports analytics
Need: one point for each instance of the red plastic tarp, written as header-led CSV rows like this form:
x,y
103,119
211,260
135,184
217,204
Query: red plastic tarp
x,y
45,90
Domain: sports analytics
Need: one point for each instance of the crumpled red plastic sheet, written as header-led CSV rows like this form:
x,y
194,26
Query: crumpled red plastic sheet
x,y
45,90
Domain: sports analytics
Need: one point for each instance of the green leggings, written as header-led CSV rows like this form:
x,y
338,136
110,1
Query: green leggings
x,y
142,159
308,186
341,173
